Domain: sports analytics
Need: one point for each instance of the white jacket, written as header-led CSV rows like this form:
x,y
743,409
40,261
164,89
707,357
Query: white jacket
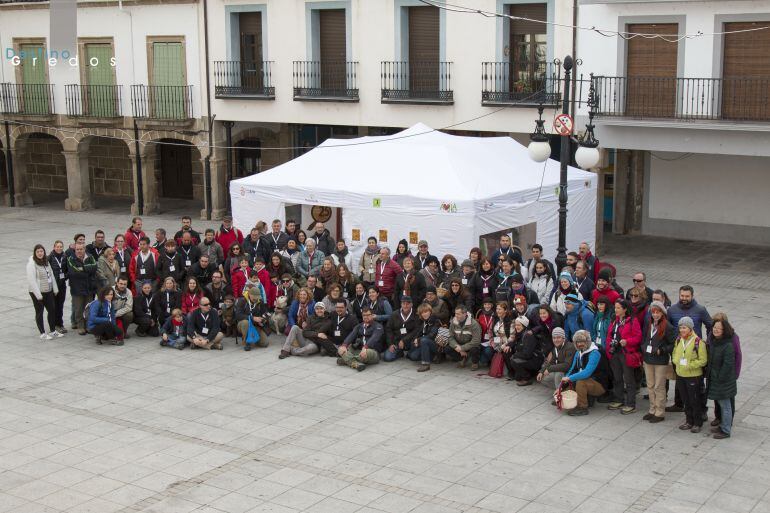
x,y
542,285
33,286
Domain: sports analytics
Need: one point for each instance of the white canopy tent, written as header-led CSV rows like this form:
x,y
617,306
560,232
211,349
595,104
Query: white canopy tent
x,y
425,184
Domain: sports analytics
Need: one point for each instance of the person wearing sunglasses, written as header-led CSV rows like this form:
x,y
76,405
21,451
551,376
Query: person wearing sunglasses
x,y
640,286
203,327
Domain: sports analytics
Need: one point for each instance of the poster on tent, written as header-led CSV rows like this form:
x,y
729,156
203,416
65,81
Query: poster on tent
x,y
523,236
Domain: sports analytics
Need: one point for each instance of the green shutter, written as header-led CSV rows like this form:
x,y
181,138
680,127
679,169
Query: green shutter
x,y
100,80
34,88
168,79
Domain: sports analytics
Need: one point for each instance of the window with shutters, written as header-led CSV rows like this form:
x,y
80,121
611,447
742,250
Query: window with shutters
x,y
250,38
651,69
98,94
424,48
332,49
32,76
168,78
746,71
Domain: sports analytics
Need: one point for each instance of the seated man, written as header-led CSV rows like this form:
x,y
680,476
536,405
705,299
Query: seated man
x,y
588,372
305,340
362,347
203,327
400,330
343,323
464,338
251,310
123,303
557,361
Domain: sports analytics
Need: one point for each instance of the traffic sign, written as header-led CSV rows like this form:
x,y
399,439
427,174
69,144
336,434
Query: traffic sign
x,y
563,124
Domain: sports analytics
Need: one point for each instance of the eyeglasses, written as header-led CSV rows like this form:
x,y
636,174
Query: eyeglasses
x,y
285,281
205,304
637,281
634,295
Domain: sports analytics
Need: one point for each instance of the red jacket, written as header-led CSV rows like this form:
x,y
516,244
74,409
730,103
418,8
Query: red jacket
x,y
269,286
238,280
608,292
132,239
227,238
190,302
132,265
385,279
631,332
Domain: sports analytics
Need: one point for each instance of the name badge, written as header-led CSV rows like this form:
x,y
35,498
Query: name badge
x,y
683,361
123,269
485,290
142,271
345,294
403,331
465,281
221,305
168,308
171,268
205,330
187,263
381,283
61,276
371,270
337,333
486,336
649,349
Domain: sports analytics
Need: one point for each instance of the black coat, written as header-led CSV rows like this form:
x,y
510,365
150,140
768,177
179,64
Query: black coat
x,y
170,266
165,302
142,311
59,271
82,275
202,275
477,286
191,254
416,289
393,329
657,351
722,382
345,327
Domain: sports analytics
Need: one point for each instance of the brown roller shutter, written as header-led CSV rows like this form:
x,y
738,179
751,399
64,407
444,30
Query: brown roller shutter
x,y
746,72
333,48
251,50
532,12
424,48
651,66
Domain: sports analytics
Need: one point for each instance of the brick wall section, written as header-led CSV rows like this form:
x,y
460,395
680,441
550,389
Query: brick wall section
x,y
46,168
110,168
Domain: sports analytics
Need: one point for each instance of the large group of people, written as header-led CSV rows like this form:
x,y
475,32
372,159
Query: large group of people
x,y
567,328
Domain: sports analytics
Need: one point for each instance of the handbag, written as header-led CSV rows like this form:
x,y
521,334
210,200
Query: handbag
x,y
497,366
252,335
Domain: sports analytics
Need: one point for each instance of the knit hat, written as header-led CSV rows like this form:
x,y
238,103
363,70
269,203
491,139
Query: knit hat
x,y
320,306
519,299
467,263
572,298
523,320
558,332
487,300
660,306
686,321
605,274
406,299
422,243
429,289
566,276
517,278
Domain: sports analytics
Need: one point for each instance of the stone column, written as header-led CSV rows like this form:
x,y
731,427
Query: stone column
x,y
21,194
620,193
219,187
79,195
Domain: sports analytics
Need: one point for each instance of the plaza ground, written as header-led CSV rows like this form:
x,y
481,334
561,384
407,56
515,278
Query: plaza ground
x,y
86,428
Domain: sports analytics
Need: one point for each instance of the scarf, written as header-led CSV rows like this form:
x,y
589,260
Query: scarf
x,y
369,251
328,276
342,254
302,314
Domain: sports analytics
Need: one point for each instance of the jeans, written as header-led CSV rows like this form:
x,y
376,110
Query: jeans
x,y
718,409
424,352
622,375
297,344
485,358
726,423
473,354
392,356
47,303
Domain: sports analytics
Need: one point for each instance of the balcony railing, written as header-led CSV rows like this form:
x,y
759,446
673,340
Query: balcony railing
x,y
506,83
93,101
244,79
27,99
161,102
325,80
734,99
417,82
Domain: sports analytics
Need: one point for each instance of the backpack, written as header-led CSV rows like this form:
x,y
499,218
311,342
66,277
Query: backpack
x,y
87,309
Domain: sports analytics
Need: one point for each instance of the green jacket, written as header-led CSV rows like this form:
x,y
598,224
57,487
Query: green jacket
x,y
722,381
695,361
466,336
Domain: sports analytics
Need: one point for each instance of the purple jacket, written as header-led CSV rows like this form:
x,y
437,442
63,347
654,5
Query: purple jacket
x,y
738,355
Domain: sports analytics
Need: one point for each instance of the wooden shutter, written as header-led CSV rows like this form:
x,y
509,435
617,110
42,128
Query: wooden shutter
x,y
651,66
101,98
34,95
746,72
168,71
333,40
424,48
251,51
531,11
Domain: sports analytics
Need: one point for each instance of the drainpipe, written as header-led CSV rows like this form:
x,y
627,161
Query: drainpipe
x,y
139,178
229,144
9,166
574,54
209,117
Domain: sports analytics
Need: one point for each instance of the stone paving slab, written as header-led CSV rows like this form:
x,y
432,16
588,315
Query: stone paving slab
x,y
87,428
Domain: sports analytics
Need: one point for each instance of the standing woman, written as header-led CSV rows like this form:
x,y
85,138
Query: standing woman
x,y
541,282
43,290
342,255
347,281
658,342
402,251
58,261
690,358
484,283
107,269
301,240
449,271
624,337
602,319
724,370
476,257
366,268
122,254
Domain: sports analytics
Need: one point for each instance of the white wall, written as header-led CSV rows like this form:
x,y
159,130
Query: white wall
x,y
129,31
470,40
701,188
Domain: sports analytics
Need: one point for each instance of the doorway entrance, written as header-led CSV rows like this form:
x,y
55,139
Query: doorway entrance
x,y
176,170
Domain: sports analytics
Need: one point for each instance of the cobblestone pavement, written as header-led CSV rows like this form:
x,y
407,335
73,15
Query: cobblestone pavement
x,y
86,428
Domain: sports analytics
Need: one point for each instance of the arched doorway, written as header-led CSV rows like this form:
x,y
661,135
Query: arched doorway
x,y
178,169
248,157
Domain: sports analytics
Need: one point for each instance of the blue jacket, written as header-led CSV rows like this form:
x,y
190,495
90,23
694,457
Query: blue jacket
x,y
100,312
576,374
294,311
580,318
699,315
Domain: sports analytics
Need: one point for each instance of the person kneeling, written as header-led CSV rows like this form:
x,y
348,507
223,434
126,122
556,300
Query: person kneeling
x,y
523,355
364,344
203,327
588,372
101,319
174,331
304,341
251,310
558,360
401,327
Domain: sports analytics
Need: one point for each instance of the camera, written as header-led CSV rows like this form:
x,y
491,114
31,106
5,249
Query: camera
x,y
615,347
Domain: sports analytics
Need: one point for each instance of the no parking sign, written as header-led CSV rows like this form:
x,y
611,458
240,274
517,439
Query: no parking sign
x,y
563,124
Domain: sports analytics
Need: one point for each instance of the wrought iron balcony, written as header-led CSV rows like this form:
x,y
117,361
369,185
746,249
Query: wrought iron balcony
x,y
26,99
244,79
510,83
417,82
325,81
162,102
728,99
93,101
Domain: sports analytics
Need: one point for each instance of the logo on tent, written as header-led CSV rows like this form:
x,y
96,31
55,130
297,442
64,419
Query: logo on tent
x,y
448,207
243,191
